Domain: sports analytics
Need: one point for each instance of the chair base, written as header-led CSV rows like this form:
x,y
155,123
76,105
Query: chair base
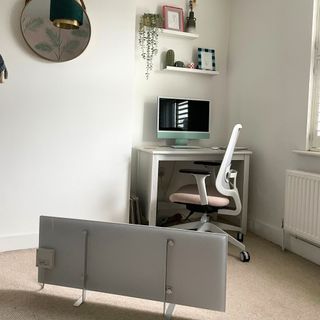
x,y
205,225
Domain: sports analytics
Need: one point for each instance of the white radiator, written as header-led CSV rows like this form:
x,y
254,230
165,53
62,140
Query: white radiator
x,y
302,205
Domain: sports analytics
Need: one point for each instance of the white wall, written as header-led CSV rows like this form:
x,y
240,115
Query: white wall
x,y
213,20
63,151
65,129
213,27
269,68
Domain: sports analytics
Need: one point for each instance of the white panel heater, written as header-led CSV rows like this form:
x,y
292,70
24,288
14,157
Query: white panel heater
x,y
302,205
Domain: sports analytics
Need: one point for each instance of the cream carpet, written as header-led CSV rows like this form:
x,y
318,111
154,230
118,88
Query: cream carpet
x,y
274,285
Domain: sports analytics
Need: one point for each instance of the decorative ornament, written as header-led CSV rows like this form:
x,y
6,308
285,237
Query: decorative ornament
x,y
179,64
191,65
3,70
191,20
170,58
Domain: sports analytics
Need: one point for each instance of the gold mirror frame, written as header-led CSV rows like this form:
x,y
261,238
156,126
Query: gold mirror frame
x,y
50,42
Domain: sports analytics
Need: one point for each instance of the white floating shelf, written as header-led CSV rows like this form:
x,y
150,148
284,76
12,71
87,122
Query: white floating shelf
x,y
179,34
189,70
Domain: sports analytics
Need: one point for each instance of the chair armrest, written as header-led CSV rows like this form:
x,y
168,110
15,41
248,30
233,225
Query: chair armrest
x,y
208,163
200,176
234,193
195,171
233,176
213,165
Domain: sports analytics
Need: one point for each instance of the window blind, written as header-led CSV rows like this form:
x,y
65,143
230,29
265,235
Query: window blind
x,y
315,114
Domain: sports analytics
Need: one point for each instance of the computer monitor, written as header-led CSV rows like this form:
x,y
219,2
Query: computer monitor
x,y
183,119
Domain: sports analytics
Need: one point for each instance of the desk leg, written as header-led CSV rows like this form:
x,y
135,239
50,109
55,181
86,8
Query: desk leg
x,y
147,185
154,191
246,164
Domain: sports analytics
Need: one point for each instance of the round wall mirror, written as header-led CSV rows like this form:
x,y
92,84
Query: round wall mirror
x,y
56,30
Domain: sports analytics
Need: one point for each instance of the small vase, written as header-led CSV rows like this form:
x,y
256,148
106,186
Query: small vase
x,y
191,22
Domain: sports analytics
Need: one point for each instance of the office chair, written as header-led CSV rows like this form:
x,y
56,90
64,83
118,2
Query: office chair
x,y
214,201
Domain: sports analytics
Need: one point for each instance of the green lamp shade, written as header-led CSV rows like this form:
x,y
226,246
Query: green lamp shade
x,y
66,14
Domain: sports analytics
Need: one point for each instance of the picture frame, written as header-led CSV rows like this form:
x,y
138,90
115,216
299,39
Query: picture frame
x,y
173,18
206,59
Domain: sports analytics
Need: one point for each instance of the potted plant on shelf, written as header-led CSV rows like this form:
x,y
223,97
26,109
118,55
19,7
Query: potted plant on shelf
x,y
149,28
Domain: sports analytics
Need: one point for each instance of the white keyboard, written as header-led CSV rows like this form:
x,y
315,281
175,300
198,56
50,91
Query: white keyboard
x,y
186,147
236,148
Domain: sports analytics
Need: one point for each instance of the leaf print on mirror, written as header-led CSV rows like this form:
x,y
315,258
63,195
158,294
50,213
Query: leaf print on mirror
x,y
33,24
54,37
83,33
71,46
43,46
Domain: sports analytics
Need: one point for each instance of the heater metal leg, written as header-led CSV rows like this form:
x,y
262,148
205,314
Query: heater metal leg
x,y
41,286
283,245
167,307
82,299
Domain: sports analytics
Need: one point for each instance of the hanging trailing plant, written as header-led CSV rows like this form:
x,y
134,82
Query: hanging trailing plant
x,y
148,38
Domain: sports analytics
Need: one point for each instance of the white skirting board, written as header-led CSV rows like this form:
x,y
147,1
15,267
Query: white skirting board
x,y
274,234
19,242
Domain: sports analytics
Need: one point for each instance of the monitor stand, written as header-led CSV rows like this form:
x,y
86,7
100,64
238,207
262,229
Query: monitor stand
x,y
183,144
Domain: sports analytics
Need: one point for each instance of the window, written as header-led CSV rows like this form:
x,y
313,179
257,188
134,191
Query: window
x,y
183,115
314,135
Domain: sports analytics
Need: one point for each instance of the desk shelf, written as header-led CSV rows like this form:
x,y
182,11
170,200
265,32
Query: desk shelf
x,y
189,70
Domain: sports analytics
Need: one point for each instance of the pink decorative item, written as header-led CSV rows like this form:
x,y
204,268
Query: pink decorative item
x,y
173,18
191,65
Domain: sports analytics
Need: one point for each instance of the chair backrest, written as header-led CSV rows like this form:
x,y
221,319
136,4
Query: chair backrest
x,y
222,181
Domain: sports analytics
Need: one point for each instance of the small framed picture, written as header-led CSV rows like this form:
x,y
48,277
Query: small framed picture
x,y
206,59
173,18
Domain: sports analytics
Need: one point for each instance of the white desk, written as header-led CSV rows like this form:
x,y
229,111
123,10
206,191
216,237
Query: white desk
x,y
148,173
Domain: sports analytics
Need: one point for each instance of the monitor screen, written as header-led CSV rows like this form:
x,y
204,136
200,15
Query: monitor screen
x,y
180,118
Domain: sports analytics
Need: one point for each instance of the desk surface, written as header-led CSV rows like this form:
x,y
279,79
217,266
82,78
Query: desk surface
x,y
167,151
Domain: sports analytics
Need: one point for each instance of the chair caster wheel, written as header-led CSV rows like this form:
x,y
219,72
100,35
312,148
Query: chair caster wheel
x,y
240,237
244,256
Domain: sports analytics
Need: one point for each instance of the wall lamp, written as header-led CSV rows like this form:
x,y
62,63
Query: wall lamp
x,y
67,14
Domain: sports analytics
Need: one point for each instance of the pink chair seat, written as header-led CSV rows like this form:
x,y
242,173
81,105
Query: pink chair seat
x,y
189,194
